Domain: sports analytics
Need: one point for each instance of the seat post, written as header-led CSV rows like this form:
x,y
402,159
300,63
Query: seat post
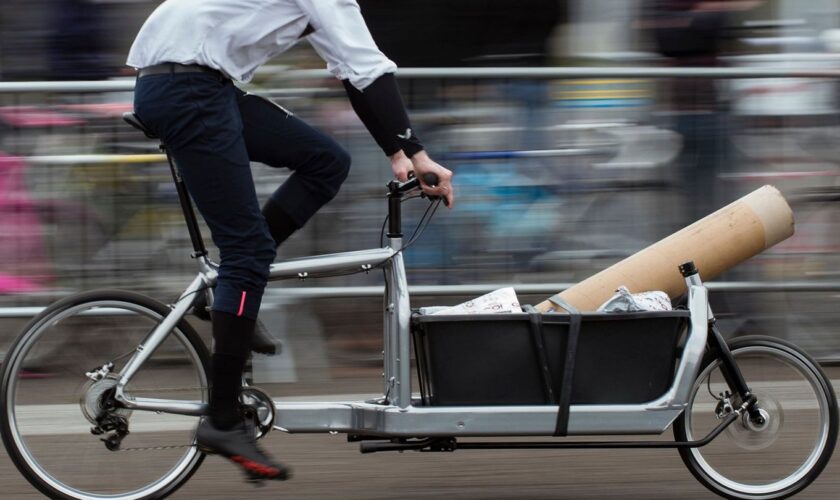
x,y
199,250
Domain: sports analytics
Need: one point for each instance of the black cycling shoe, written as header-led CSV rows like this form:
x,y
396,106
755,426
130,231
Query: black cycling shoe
x,y
261,343
240,447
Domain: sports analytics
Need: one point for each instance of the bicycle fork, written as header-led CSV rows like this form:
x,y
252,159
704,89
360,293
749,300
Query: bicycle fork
x,y
729,368
733,376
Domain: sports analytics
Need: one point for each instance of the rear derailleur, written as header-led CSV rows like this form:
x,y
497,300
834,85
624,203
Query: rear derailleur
x,y
116,424
100,407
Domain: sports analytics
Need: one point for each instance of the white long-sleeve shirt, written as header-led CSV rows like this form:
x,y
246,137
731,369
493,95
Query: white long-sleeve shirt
x,y
237,36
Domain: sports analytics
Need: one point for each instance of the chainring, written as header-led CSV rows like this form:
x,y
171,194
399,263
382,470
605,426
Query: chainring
x,y
257,406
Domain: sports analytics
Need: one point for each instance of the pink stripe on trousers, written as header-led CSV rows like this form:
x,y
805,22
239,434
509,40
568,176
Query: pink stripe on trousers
x,y
241,304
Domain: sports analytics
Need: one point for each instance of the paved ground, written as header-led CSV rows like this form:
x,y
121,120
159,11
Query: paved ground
x,y
329,467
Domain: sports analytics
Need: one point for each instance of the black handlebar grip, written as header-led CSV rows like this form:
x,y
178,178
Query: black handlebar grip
x,y
430,178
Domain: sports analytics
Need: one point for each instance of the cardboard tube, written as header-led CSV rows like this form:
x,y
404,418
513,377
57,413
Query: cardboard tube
x,y
715,243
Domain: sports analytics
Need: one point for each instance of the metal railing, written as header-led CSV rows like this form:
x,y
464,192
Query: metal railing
x,y
275,296
468,73
296,84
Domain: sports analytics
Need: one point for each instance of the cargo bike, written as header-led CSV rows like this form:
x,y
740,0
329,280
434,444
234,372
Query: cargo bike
x,y
113,415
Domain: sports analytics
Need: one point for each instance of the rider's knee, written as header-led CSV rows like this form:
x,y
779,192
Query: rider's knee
x,y
264,253
336,163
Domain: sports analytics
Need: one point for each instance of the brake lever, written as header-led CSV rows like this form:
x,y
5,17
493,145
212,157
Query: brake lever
x,y
431,179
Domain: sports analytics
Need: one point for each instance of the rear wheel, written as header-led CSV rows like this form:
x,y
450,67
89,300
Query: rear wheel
x,y
50,403
781,452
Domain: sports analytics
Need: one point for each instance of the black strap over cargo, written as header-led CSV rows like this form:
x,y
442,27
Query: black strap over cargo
x,y
564,402
538,338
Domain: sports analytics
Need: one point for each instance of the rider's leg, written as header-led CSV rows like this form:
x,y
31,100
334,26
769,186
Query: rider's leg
x,y
277,138
231,348
197,117
280,225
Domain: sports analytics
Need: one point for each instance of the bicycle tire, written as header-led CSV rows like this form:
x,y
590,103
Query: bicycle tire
x,y
750,456
106,318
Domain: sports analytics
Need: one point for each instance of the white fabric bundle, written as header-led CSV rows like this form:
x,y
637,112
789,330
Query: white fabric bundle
x,y
624,301
503,300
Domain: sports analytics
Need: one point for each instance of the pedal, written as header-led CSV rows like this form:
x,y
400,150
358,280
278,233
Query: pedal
x,y
205,450
256,481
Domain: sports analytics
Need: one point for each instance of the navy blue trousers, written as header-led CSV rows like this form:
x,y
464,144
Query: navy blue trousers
x,y
214,130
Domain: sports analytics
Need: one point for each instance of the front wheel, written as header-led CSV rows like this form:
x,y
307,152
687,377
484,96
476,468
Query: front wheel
x,y
51,398
774,456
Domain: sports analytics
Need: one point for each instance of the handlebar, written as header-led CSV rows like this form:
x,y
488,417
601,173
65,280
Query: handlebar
x,y
397,188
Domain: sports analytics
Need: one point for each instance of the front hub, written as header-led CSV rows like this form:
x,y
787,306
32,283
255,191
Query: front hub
x,y
759,427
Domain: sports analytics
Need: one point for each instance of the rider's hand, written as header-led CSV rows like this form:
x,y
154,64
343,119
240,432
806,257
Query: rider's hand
x,y
423,165
401,165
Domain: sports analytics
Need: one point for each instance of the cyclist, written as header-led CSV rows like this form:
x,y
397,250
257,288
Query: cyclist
x,y
187,54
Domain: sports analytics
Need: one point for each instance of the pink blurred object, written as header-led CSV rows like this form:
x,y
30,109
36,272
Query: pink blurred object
x,y
30,117
100,110
23,264
16,284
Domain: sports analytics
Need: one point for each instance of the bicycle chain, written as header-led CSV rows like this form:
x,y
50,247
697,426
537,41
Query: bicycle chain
x,y
149,448
167,447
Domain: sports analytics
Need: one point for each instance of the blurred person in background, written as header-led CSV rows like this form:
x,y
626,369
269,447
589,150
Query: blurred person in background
x,y
77,41
187,53
467,32
473,33
690,33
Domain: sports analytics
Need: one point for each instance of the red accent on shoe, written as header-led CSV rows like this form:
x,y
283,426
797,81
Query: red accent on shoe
x,y
255,467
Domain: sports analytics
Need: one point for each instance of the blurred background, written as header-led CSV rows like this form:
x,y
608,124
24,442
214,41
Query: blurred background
x,y
557,176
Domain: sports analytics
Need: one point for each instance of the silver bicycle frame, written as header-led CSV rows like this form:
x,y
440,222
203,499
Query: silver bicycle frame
x,y
363,260
394,414
389,417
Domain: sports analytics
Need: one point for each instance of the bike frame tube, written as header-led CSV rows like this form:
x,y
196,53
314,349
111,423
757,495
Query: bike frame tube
x,y
153,341
362,260
398,343
339,262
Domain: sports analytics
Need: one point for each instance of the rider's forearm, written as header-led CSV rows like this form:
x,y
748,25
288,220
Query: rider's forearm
x,y
381,109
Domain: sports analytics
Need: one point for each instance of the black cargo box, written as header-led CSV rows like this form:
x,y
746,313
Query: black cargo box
x,y
503,359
